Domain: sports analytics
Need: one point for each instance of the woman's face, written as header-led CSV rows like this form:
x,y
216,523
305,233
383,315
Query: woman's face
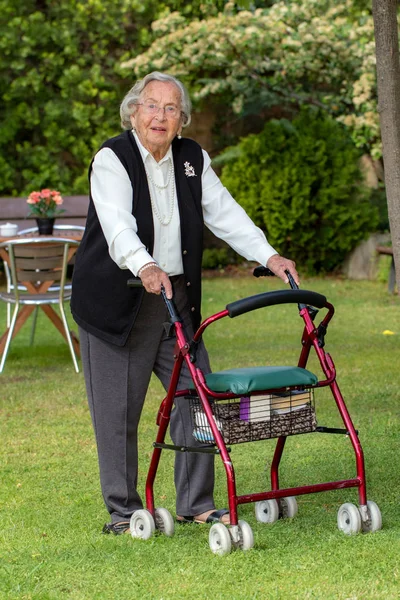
x,y
156,131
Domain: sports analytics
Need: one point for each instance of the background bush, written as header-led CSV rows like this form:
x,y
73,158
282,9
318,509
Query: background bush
x,y
61,83
60,86
217,258
300,182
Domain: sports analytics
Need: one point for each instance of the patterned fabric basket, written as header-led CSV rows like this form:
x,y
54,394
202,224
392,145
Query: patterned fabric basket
x,y
256,417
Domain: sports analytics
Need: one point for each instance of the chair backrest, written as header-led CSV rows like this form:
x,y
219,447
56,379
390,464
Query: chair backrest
x,y
57,227
70,227
37,260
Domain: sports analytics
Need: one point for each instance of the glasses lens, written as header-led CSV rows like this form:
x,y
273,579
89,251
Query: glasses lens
x,y
150,108
153,109
171,111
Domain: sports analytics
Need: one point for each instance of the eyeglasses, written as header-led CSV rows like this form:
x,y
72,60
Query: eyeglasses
x,y
170,111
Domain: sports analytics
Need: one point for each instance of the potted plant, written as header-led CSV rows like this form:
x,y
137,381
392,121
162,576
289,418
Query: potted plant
x,y
44,207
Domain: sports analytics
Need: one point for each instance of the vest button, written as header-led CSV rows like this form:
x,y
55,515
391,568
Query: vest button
x,y
193,309
184,252
188,283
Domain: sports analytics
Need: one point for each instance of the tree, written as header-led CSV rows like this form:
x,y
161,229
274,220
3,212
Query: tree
x,y
250,62
388,77
59,85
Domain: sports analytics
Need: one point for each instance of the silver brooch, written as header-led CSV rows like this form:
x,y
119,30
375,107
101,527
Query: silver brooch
x,y
189,170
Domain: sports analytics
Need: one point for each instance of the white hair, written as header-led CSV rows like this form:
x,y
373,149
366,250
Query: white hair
x,y
127,107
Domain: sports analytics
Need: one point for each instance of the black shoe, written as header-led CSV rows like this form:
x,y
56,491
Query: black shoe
x,y
116,528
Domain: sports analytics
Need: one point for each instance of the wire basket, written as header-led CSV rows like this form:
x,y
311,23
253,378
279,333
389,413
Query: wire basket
x,y
256,417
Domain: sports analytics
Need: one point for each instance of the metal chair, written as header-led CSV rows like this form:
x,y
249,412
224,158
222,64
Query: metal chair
x,y
35,266
61,228
57,227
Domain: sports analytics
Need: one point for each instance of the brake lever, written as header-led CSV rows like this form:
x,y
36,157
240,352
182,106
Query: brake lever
x,y
136,282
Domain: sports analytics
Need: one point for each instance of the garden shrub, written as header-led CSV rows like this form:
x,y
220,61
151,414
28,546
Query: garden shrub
x,y
217,258
300,182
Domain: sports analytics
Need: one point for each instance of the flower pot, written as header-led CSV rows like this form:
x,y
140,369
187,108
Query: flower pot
x,y
45,225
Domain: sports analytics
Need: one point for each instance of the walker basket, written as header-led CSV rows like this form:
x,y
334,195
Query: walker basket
x,y
256,417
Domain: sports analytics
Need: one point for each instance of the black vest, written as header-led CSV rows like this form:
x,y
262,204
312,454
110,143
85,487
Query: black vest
x,y
101,303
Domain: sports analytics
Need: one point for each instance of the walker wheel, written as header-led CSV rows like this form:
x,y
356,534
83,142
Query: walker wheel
x,y
349,519
374,521
142,524
220,539
267,511
288,507
164,521
246,537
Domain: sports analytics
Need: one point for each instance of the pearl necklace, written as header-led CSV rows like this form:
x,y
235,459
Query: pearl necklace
x,y
157,185
171,202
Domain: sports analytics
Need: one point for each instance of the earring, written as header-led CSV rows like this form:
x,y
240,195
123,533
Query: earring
x,y
179,136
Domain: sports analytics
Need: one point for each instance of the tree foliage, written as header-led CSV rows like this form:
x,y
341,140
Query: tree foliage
x,y
299,181
61,79
60,86
314,52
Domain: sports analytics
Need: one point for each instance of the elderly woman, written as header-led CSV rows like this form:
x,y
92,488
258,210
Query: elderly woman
x,y
151,192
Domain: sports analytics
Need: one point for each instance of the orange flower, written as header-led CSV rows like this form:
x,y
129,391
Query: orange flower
x,y
45,203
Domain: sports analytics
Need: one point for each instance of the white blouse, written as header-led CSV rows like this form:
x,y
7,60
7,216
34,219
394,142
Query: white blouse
x,y
113,196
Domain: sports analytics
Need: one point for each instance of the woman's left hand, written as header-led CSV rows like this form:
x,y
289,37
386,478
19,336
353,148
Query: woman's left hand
x,y
278,265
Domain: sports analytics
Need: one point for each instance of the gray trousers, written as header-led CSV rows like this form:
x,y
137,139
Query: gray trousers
x,y
117,379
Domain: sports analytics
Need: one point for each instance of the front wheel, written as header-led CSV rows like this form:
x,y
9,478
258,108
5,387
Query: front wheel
x,y
349,519
219,539
142,524
246,537
164,521
374,521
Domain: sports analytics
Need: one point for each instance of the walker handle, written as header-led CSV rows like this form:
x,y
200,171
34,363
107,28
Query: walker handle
x,y
136,282
265,272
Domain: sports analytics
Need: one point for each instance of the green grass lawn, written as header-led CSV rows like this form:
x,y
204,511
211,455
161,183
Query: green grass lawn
x,y
51,509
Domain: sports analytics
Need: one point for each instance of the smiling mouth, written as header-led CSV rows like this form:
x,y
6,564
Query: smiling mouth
x,y
158,129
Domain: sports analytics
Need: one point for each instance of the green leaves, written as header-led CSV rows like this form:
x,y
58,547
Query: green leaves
x,y
289,55
301,184
59,86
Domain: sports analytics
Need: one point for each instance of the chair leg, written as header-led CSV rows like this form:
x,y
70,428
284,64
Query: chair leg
x,y
9,337
68,335
33,329
8,315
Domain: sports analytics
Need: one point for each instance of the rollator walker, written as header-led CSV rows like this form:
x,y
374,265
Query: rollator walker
x,y
244,405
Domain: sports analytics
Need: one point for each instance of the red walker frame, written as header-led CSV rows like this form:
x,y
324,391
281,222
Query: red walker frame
x,y
313,336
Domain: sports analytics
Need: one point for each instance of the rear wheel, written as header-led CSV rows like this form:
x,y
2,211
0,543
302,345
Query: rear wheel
x,y
374,521
288,507
219,539
349,519
267,511
142,524
246,537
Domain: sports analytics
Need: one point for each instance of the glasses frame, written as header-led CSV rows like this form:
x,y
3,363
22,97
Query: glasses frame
x,y
168,116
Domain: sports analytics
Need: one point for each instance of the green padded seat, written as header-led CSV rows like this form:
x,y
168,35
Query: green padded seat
x,y
254,379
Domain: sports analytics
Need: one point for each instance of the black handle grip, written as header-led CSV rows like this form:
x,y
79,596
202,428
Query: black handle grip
x,y
301,297
263,272
134,282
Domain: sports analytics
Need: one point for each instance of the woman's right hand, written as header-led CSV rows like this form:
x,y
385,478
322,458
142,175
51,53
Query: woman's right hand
x,y
153,278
